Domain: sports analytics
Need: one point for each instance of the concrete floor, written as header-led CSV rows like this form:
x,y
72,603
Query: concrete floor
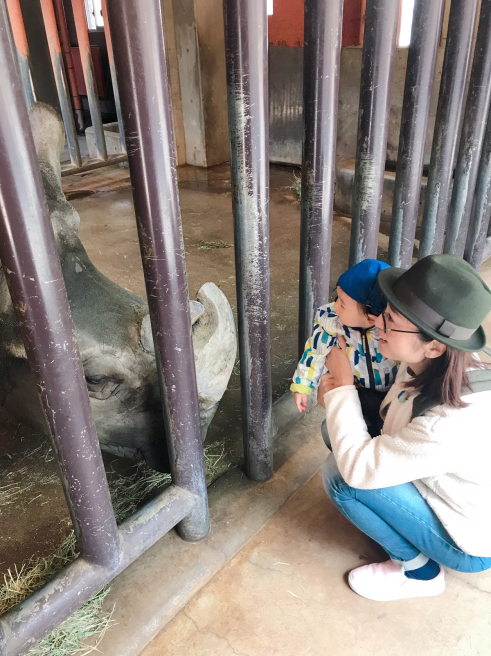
x,y
286,593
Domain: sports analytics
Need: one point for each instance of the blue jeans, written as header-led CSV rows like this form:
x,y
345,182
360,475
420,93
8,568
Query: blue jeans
x,y
400,520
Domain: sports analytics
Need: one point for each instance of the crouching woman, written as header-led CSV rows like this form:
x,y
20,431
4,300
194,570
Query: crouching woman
x,y
421,489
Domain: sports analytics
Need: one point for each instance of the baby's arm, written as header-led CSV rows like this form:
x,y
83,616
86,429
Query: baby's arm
x,y
312,363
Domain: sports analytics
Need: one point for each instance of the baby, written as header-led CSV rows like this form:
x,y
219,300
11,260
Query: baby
x,y
352,315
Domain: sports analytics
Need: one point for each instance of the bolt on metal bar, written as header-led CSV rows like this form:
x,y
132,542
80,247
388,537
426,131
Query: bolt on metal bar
x,y
114,80
460,33
20,38
246,52
89,77
481,208
420,71
34,277
322,52
473,129
66,52
43,610
379,43
54,45
139,54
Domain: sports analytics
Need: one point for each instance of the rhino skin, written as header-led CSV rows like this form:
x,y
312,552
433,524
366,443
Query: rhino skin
x,y
113,332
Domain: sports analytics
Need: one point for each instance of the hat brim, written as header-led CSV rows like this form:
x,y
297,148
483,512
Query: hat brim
x,y
387,279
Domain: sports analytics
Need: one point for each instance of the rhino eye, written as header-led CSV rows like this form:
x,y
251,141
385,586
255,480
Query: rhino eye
x,y
97,380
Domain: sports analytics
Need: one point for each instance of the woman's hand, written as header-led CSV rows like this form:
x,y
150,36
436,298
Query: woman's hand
x,y
339,365
326,385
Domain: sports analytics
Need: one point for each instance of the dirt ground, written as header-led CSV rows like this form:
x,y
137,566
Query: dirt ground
x,y
33,511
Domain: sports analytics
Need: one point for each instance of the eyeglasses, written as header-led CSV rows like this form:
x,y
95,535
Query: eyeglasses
x,y
392,330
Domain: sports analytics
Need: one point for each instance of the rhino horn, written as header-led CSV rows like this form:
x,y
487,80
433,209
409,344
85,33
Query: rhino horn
x,y
146,336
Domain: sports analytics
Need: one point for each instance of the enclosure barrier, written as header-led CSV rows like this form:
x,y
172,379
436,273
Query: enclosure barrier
x,y
322,52
28,253
246,49
67,104
30,261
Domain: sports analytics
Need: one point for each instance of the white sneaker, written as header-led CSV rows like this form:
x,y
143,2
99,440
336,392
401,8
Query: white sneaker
x,y
387,582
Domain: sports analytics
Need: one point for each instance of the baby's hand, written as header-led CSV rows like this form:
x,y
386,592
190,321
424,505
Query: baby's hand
x,y
300,401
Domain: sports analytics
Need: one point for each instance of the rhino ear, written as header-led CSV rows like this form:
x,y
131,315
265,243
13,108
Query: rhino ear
x,y
146,337
196,310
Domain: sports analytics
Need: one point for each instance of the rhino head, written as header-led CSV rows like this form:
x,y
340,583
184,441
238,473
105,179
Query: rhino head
x,y
113,332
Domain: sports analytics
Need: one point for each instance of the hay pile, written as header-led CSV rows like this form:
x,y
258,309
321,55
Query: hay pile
x,y
127,494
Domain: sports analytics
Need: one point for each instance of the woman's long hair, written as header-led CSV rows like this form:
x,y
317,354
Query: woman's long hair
x,y
445,376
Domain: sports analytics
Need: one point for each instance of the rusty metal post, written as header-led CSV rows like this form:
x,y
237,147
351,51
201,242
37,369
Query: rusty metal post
x,y
54,45
421,61
481,209
246,51
114,80
452,87
473,129
33,274
68,60
139,54
322,51
20,39
89,77
379,43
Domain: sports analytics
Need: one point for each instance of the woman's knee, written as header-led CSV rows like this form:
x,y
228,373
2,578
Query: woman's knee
x,y
334,483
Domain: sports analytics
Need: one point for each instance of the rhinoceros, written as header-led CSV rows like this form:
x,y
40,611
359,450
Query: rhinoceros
x,y
112,328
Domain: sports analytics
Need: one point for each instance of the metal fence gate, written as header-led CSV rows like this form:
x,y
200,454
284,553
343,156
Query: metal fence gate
x,y
455,219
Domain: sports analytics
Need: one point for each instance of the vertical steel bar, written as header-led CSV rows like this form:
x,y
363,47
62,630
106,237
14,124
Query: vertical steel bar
x,y
33,274
60,80
246,51
421,62
139,54
455,66
381,20
20,39
473,129
481,209
68,60
322,51
114,80
89,77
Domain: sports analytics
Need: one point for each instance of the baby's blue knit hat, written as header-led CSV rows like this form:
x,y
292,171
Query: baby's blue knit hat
x,y
360,282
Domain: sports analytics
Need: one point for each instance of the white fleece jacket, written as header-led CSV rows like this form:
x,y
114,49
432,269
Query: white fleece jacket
x,y
445,453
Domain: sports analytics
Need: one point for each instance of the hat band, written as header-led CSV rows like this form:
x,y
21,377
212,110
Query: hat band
x,y
428,315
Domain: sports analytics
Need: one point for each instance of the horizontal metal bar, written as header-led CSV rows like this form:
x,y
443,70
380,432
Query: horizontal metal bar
x,y
90,164
42,611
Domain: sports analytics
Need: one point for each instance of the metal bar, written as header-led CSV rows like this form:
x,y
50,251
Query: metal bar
x,y
114,79
473,129
89,76
454,74
91,164
481,209
34,277
145,102
20,38
246,51
421,62
381,20
60,80
322,51
42,611
66,51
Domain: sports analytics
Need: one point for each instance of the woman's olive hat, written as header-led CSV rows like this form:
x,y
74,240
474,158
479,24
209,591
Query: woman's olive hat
x,y
444,297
